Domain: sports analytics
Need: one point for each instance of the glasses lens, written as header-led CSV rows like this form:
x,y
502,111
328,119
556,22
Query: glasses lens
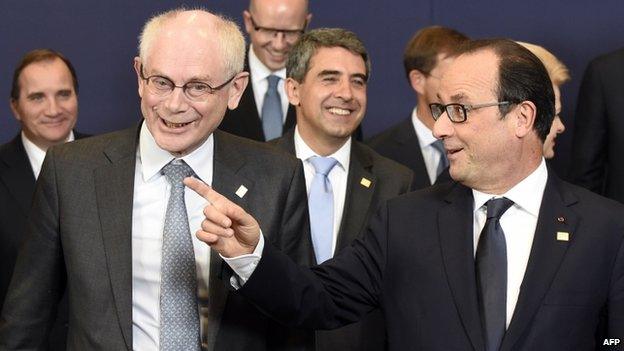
x,y
197,89
455,112
160,85
436,110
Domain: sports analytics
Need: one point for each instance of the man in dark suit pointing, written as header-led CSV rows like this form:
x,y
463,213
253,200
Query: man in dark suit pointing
x,y
111,218
507,258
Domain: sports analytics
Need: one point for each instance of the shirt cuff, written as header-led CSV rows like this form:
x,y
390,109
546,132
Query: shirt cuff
x,y
244,265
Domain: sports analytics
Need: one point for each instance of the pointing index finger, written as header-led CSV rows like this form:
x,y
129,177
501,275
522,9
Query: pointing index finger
x,y
201,188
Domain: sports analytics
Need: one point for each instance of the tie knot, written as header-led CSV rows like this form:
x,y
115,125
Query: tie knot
x,y
496,207
273,80
323,165
176,171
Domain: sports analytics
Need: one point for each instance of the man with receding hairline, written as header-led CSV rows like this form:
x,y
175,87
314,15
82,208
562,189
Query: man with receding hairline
x,y
113,223
273,27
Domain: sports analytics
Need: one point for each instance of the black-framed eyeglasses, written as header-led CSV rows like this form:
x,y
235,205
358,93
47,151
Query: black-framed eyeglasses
x,y
193,90
289,34
457,113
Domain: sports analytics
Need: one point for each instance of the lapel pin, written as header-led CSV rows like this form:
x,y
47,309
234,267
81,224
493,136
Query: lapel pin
x,y
242,190
365,182
561,219
563,236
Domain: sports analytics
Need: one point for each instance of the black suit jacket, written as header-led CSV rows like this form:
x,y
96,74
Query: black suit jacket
x,y
416,261
388,179
81,227
400,143
598,141
244,121
17,185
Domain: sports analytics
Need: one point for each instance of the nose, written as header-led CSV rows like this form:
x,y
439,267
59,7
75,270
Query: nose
x,y
443,127
344,90
560,126
53,108
177,101
279,42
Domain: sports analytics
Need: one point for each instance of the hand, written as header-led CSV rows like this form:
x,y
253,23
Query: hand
x,y
227,228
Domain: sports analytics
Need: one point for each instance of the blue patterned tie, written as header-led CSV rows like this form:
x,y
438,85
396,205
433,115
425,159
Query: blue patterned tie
x,y
491,271
272,120
439,146
321,207
179,316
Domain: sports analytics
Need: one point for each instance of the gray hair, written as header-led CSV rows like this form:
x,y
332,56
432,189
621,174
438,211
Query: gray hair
x,y
298,63
231,40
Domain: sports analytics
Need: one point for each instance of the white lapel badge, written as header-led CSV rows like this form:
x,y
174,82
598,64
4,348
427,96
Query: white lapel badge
x,y
365,182
563,236
242,190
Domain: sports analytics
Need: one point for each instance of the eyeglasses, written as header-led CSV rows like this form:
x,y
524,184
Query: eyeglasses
x,y
457,112
289,34
195,91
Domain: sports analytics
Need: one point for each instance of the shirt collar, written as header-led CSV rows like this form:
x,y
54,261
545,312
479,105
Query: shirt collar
x,y
304,152
522,194
259,71
425,135
36,154
153,158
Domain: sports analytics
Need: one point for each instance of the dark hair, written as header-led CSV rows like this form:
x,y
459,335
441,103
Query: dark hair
x,y
39,55
421,52
521,77
298,63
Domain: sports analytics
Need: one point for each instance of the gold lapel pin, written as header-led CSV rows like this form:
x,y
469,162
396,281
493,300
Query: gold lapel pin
x,y
365,182
242,190
563,236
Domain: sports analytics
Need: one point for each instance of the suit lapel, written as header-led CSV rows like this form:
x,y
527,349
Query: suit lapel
x,y
358,196
546,256
227,181
114,186
456,240
18,175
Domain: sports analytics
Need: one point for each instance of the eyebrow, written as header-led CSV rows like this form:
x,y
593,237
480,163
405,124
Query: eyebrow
x,y
34,94
329,72
205,78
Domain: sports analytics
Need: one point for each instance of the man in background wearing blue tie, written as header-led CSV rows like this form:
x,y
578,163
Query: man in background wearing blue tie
x,y
328,71
273,27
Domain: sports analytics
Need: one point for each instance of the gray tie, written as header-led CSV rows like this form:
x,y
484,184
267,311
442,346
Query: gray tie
x,y
491,272
439,146
272,110
179,317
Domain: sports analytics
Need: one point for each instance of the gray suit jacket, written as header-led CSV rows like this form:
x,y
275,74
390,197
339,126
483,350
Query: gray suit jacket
x,y
81,235
388,179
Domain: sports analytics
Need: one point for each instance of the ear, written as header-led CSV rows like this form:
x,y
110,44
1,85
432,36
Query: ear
x,y
524,118
308,20
137,69
292,90
15,109
239,83
417,81
247,21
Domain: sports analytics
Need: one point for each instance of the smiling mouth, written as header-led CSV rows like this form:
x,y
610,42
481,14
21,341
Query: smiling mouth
x,y
339,111
174,125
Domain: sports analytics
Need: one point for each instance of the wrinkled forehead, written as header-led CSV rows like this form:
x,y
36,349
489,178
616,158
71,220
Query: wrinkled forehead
x,y
470,77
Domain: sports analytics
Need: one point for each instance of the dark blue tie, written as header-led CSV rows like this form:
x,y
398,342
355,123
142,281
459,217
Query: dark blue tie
x,y
272,110
491,270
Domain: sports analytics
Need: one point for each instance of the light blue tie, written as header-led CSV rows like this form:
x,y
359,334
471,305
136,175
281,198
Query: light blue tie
x,y
321,207
179,316
272,110
439,146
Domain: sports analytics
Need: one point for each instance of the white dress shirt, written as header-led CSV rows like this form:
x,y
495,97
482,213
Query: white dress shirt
x,y
36,155
337,176
259,83
431,155
151,194
518,223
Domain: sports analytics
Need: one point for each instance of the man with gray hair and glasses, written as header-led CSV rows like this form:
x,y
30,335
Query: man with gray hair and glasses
x,y
113,222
